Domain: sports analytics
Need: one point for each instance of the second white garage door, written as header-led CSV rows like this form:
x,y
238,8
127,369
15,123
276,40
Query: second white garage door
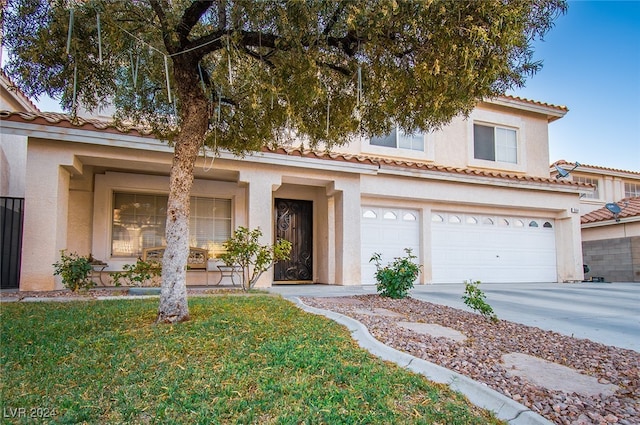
x,y
387,231
492,249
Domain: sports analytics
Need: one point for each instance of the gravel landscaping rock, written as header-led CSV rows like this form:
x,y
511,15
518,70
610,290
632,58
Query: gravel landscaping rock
x,y
480,356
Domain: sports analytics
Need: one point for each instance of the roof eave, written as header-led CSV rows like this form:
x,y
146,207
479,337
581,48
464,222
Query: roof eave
x,y
551,112
610,222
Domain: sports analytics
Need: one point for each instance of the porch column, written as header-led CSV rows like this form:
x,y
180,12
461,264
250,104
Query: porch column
x,y
347,232
46,215
426,277
260,187
569,248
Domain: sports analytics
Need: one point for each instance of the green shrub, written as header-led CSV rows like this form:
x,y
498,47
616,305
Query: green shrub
x,y
142,273
474,298
244,250
74,270
395,280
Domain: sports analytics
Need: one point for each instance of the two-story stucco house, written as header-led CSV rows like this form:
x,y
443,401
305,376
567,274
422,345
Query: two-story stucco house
x,y
473,200
610,238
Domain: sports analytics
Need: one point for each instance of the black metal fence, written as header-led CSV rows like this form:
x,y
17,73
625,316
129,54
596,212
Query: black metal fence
x,y
11,219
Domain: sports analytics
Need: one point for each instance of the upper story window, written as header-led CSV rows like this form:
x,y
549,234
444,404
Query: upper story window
x,y
631,190
589,180
399,139
495,144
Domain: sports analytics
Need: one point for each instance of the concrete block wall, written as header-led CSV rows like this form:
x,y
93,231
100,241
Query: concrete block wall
x,y
617,260
635,258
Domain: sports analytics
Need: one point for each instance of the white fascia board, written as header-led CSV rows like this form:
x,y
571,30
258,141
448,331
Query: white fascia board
x,y
481,180
94,137
611,222
310,163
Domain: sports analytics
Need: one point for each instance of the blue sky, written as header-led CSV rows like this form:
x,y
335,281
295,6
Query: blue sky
x,y
591,64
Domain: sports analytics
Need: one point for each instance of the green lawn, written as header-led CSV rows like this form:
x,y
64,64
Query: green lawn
x,y
243,360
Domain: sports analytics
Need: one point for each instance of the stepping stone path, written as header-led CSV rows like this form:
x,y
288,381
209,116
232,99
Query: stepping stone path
x,y
433,330
553,376
378,312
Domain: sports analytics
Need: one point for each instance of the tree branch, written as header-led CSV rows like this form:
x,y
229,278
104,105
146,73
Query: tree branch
x,y
349,44
190,18
334,18
262,58
342,70
222,14
206,44
159,8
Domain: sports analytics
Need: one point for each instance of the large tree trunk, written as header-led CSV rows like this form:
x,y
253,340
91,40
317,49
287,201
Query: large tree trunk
x,y
194,122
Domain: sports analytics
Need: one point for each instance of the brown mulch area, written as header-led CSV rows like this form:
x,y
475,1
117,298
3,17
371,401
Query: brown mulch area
x,y
479,357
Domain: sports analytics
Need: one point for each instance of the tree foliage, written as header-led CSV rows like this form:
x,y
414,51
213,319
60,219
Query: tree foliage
x,y
269,68
242,74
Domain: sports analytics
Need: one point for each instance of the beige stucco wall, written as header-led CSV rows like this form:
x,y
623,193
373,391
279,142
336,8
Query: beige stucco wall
x,y
611,231
336,212
69,187
13,160
453,144
80,213
48,173
82,201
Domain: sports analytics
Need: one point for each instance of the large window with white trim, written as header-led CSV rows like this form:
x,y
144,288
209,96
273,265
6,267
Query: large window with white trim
x,y
492,143
399,139
631,190
138,221
589,180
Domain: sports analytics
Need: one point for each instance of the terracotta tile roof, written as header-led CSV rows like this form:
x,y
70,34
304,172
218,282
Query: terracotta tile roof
x,y
309,153
393,163
562,162
630,208
535,102
67,121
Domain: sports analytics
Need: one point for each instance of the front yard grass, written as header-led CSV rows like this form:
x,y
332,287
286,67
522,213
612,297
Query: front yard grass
x,y
238,360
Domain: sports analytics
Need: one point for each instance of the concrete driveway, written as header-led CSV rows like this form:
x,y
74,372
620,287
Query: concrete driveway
x,y
608,313
603,312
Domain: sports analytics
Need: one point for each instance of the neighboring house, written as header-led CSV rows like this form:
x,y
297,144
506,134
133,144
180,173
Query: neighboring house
x,y
610,240
473,200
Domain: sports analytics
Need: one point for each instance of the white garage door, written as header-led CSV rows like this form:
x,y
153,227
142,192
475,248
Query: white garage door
x,y
387,231
492,248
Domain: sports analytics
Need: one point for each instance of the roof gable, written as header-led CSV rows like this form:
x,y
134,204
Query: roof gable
x,y
11,95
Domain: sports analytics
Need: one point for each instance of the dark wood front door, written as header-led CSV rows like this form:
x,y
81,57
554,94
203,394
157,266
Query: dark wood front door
x,y
294,223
